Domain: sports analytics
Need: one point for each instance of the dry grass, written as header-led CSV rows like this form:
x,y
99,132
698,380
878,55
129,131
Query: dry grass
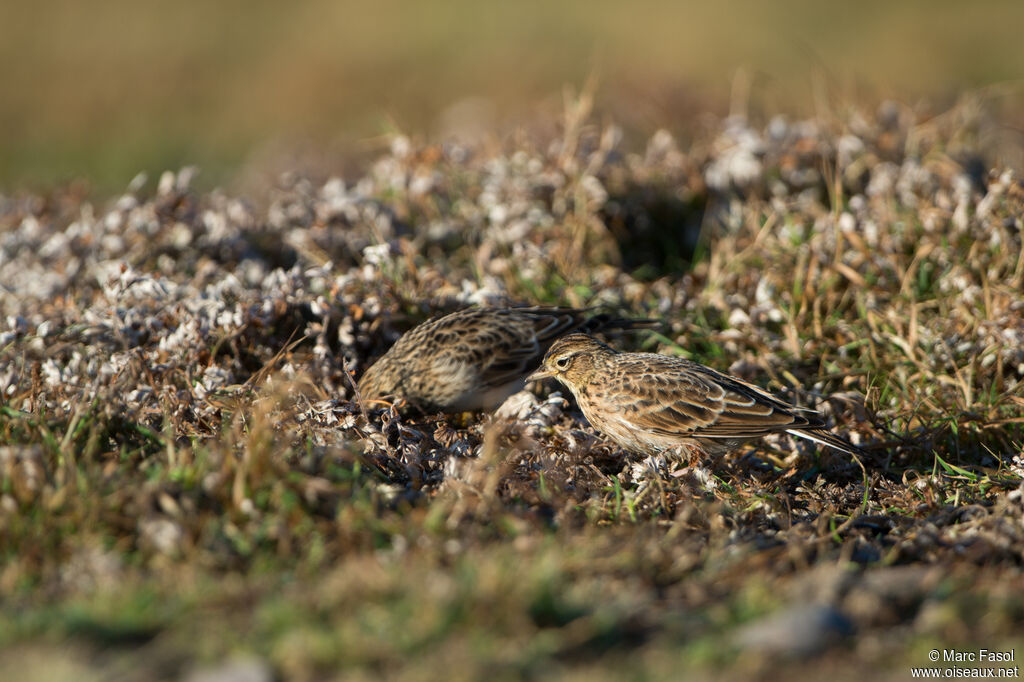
x,y
184,477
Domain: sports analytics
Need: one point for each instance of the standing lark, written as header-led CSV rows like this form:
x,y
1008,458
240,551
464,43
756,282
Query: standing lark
x,y
473,359
649,403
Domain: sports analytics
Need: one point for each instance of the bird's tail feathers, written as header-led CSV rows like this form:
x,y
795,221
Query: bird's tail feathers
x,y
604,322
822,437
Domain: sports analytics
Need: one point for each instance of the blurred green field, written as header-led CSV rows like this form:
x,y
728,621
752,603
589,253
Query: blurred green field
x,y
103,90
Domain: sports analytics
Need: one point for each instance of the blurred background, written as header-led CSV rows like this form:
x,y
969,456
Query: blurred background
x,y
104,90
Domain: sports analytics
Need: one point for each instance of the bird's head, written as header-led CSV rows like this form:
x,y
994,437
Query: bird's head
x,y
573,359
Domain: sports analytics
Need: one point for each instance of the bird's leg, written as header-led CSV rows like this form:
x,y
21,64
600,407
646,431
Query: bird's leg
x,y
397,404
692,454
699,469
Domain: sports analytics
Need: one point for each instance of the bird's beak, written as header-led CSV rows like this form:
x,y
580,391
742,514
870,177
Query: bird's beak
x,y
541,373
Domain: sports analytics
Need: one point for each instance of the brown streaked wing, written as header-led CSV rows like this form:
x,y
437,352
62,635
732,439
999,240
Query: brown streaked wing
x,y
524,334
743,397
548,325
677,397
657,397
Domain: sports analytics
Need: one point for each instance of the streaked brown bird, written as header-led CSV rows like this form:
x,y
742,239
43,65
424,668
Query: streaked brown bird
x,y
473,359
649,403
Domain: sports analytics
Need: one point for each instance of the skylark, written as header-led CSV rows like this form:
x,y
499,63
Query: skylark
x,y
649,403
473,359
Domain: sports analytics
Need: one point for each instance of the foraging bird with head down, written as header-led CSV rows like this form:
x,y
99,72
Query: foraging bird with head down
x,y
473,359
649,403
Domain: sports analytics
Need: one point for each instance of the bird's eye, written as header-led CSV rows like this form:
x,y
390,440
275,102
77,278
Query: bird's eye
x,y
562,362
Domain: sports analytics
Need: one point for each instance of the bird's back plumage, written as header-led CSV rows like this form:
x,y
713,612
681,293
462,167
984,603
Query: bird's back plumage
x,y
473,359
648,402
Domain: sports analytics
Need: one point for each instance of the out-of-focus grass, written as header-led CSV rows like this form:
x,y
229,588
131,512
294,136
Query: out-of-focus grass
x,y
105,90
302,559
